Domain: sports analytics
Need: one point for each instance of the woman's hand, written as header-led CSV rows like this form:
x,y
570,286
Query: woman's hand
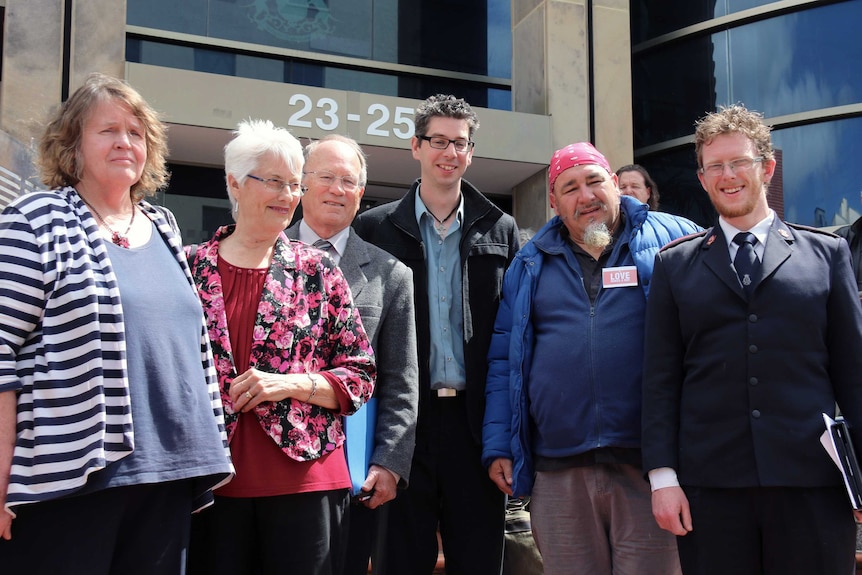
x,y
5,524
254,387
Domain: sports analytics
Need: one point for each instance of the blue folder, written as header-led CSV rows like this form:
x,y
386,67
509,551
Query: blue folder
x,y
359,445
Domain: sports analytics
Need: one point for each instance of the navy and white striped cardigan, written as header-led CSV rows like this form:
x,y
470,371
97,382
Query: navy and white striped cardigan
x,y
62,344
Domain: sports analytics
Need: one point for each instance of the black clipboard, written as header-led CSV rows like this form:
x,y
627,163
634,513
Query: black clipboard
x,y
847,462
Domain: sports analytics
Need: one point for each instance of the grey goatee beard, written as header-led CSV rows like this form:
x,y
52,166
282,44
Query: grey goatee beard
x,y
597,235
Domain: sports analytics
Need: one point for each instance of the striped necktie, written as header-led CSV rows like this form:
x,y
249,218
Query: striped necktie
x,y
324,245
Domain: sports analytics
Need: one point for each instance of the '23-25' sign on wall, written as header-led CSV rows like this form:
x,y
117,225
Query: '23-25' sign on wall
x,y
325,114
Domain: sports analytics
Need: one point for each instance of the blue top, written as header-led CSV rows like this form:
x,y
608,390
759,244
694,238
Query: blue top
x,y
594,387
176,436
446,313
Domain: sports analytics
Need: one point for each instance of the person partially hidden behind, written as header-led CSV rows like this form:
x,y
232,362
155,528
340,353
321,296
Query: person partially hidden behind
x,y
334,177
635,181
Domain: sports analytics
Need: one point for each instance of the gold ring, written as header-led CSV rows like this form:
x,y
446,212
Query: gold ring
x,y
247,395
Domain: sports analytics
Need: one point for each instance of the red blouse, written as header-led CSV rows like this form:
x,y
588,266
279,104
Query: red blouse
x,y
262,469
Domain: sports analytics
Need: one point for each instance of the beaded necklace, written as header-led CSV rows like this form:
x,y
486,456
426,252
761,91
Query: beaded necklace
x,y
117,238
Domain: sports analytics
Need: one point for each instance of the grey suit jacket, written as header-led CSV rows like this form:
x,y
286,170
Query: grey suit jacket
x,y
382,289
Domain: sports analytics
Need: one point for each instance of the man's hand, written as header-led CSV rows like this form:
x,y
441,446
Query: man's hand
x,y
671,511
500,472
384,484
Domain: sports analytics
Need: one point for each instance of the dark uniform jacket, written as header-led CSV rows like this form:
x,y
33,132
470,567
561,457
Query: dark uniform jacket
x,y
734,390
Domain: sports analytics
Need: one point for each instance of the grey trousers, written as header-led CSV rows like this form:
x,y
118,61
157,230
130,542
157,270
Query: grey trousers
x,y
598,520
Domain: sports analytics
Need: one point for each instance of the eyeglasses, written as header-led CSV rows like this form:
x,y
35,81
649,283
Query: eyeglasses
x,y
736,166
439,143
277,185
348,183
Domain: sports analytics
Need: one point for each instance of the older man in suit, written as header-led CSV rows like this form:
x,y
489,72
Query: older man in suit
x,y
754,330
334,178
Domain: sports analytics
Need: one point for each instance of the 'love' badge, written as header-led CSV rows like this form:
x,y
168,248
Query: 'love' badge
x,y
623,276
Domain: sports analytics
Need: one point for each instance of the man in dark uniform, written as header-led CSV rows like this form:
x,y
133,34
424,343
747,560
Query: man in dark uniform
x,y
754,331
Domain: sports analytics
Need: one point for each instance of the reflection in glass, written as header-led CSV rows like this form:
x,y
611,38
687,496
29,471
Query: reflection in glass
x,y
816,183
821,179
469,37
651,18
771,66
311,74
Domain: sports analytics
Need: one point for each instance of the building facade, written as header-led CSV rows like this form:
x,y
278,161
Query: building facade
x,y
630,76
357,67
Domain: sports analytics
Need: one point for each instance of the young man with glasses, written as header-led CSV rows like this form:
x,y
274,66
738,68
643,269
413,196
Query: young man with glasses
x,y
458,245
753,332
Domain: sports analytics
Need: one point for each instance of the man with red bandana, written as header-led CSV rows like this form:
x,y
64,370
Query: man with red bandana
x,y
753,333
562,420
458,245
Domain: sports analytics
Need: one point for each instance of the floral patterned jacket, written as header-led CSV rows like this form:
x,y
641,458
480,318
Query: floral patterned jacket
x,y
306,323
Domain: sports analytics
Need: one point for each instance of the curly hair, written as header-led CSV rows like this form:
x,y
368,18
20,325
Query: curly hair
x,y
447,106
59,160
731,120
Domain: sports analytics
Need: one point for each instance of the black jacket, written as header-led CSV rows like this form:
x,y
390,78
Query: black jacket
x,y
489,241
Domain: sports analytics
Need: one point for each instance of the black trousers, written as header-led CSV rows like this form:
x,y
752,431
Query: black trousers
x,y
301,533
448,488
132,530
366,538
769,531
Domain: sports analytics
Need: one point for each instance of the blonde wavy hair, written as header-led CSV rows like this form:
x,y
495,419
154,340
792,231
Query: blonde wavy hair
x,y
59,160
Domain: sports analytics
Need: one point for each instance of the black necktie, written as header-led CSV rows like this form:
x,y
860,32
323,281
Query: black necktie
x,y
746,262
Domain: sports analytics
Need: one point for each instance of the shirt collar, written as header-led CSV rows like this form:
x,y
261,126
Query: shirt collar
x,y
338,241
760,229
422,210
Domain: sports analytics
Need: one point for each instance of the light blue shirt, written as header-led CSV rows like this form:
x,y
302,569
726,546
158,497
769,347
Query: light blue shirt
x,y
446,312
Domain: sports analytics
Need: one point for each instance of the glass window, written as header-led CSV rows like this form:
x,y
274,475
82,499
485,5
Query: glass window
x,y
672,86
188,16
771,66
820,179
258,68
651,18
445,34
776,68
816,181
310,74
425,33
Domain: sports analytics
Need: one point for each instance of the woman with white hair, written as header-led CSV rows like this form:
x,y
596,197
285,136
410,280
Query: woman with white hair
x,y
292,358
